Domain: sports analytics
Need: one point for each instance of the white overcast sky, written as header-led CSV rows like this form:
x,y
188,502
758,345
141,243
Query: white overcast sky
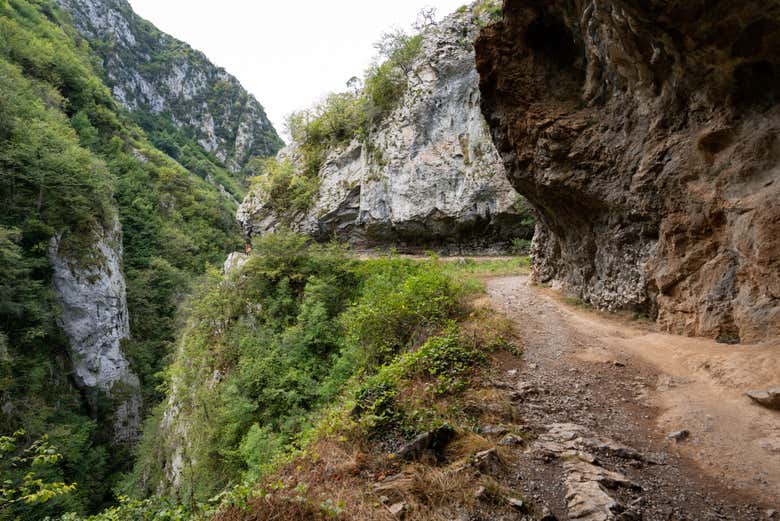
x,y
287,53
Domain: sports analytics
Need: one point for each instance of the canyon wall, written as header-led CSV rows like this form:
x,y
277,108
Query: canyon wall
x,y
152,72
645,134
428,174
91,291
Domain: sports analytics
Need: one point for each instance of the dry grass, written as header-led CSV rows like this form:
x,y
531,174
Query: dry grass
x,y
490,330
466,445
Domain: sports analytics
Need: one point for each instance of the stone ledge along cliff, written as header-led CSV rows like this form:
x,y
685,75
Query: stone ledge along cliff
x,y
427,175
645,134
157,75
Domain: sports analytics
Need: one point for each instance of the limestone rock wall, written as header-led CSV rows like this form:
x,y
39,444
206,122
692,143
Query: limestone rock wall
x,y
429,174
645,133
94,317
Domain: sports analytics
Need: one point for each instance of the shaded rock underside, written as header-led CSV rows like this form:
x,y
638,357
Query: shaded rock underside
x,y
645,134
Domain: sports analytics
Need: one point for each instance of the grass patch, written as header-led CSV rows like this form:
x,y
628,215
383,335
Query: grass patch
x,y
489,266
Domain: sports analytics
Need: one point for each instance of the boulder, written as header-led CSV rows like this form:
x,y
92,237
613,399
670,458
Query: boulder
x,y
430,443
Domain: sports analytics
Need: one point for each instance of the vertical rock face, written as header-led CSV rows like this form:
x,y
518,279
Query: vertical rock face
x,y
645,133
234,262
95,320
153,72
428,175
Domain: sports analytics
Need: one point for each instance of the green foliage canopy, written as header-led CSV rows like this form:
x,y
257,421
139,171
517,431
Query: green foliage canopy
x,y
263,353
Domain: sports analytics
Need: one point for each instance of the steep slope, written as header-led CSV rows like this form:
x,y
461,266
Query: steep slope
x,y
163,80
425,173
293,339
645,134
100,236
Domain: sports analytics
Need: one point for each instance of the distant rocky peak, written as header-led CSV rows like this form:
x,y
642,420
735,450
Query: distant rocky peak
x,y
152,72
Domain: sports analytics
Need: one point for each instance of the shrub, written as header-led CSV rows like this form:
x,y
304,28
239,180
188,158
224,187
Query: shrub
x,y
156,509
520,246
283,190
488,11
29,475
335,121
447,358
385,82
342,117
402,302
286,334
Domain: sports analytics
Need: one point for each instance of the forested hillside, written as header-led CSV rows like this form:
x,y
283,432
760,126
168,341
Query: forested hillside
x,y
71,161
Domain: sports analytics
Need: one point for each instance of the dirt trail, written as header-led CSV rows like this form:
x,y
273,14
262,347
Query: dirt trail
x,y
621,379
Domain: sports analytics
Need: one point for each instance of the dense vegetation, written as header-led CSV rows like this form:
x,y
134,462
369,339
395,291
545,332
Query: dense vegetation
x,y
265,351
303,347
181,145
301,344
71,162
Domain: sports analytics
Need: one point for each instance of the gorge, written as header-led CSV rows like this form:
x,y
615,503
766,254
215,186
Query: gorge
x,y
524,266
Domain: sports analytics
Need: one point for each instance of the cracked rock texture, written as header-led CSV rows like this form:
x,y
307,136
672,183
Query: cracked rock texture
x,y
429,174
645,134
152,72
94,318
587,483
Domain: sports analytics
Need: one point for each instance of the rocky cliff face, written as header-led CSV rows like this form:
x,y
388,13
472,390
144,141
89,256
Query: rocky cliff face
x,y
152,72
428,175
95,319
645,133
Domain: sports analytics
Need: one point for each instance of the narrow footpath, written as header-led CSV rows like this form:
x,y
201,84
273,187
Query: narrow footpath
x,y
630,423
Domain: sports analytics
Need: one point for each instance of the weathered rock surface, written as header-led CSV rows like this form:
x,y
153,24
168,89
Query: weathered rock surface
x,y
587,483
234,262
153,72
95,320
646,136
767,397
428,175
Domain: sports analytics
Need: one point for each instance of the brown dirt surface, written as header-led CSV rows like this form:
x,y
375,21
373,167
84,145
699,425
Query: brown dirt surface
x,y
620,379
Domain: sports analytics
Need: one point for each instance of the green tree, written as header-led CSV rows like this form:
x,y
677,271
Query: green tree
x,y
26,475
